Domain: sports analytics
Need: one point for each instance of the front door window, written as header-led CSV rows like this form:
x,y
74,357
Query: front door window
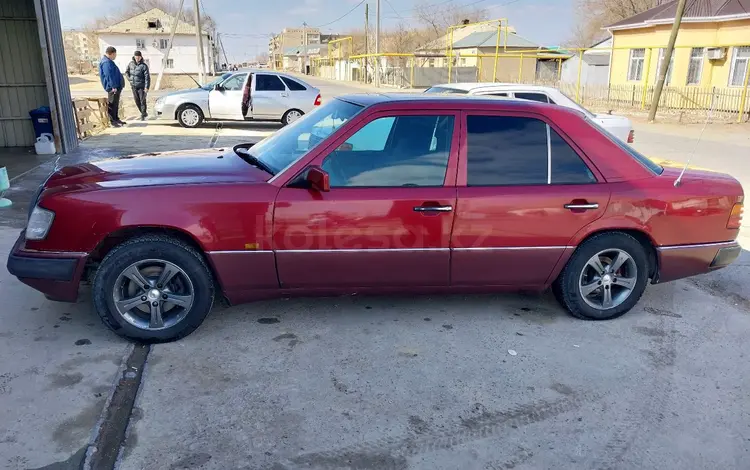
x,y
400,151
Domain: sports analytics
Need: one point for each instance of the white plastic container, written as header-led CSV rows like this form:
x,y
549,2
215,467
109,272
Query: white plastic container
x,y
45,145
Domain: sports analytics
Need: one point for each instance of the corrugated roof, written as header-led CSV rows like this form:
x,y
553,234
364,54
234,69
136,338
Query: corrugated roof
x,y
489,39
694,9
138,24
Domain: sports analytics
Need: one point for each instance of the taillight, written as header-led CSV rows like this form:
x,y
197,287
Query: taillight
x,y
317,100
735,217
631,136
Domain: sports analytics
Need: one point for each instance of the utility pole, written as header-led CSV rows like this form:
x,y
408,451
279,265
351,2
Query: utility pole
x,y
221,44
377,43
199,33
169,46
304,44
664,66
367,37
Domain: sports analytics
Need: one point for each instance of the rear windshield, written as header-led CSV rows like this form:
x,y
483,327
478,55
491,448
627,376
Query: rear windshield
x,y
639,157
446,90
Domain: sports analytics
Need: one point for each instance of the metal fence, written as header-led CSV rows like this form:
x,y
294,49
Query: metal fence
x,y
544,67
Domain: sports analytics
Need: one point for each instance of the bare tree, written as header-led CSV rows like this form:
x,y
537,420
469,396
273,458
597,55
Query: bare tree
x,y
437,18
594,15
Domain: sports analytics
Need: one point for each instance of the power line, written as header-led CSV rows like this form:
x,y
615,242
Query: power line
x,y
342,16
394,10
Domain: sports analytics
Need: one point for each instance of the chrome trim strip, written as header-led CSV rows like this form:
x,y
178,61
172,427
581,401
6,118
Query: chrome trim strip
x,y
700,245
365,250
238,252
75,254
513,248
593,205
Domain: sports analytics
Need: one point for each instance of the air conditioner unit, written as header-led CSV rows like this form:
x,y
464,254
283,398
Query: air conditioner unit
x,y
155,44
716,53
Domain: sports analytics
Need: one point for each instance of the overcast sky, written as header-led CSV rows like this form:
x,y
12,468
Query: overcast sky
x,y
246,24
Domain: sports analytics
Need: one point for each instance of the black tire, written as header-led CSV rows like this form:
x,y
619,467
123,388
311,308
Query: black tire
x,y
566,287
181,118
149,247
285,117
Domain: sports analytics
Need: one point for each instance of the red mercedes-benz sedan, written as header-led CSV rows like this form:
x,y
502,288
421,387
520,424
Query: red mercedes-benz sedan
x,y
378,193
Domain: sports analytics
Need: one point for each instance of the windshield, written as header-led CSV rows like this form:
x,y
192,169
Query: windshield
x,y
211,85
289,144
446,90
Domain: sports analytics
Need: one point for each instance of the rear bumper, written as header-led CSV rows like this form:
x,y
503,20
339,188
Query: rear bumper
x,y
55,274
680,261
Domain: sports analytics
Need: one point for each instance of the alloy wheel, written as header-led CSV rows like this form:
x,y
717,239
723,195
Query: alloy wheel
x,y
608,279
153,294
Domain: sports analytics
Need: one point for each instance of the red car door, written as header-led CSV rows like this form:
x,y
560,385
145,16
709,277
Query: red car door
x,y
387,218
524,190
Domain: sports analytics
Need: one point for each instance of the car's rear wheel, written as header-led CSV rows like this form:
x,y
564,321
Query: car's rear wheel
x,y
153,289
291,116
604,278
190,116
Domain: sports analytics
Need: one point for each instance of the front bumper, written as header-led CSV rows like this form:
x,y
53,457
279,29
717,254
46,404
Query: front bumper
x,y
677,262
55,274
164,111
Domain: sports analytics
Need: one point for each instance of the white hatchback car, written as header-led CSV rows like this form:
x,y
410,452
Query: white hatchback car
x,y
619,126
275,97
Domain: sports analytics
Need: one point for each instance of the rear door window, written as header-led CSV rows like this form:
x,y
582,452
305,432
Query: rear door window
x,y
265,82
540,97
520,151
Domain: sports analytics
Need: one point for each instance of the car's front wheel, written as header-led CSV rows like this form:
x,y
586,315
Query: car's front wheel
x,y
153,289
190,116
604,278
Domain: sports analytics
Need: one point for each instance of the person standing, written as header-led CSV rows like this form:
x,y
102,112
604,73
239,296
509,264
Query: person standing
x,y
140,81
113,83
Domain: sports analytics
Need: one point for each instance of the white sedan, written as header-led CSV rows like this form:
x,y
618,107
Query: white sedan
x,y
619,126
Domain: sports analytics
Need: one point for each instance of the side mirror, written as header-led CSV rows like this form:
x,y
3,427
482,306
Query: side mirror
x,y
218,87
318,179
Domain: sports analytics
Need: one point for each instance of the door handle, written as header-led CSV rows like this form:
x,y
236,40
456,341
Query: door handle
x,y
585,206
285,95
433,209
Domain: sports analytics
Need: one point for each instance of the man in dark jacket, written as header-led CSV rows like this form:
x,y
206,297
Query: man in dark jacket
x,y
140,82
113,83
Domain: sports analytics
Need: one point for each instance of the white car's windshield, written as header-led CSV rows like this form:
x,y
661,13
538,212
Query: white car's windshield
x,y
292,142
211,85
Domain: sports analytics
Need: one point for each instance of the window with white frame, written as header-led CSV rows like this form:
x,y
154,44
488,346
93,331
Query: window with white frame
x,y
635,69
668,79
170,63
140,43
695,67
740,63
163,43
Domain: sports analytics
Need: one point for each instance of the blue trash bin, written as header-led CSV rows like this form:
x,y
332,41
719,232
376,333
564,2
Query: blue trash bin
x,y
42,120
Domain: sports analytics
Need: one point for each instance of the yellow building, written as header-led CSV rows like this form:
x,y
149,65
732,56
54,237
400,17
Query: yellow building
x,y
712,49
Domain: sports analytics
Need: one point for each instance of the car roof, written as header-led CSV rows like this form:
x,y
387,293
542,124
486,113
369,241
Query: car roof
x,y
489,85
434,100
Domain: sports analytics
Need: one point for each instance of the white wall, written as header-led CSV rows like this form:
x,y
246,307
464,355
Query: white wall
x,y
184,52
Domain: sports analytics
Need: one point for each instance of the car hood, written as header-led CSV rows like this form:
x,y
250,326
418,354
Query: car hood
x,y
183,93
154,169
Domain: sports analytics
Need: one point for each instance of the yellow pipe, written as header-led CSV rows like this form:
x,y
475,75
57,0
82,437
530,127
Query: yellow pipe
x,y
450,53
479,78
645,78
412,72
559,69
743,100
520,69
578,80
497,52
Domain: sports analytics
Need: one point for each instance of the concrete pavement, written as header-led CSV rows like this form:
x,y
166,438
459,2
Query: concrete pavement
x,y
392,382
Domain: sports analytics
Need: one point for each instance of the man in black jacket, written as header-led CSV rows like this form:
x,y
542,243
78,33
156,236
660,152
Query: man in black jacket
x,y
140,81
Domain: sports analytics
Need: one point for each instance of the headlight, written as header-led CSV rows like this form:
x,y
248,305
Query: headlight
x,y
39,223
160,101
